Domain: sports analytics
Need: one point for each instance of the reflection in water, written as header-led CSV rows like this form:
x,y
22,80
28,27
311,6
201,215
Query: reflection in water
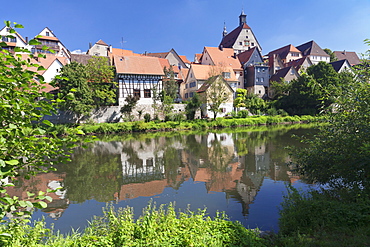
x,y
235,164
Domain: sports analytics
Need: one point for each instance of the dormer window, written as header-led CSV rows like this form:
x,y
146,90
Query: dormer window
x,y
47,34
226,75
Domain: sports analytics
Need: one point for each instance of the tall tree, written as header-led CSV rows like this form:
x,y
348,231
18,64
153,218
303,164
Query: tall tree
x,y
216,94
85,87
170,86
192,106
23,153
127,108
333,58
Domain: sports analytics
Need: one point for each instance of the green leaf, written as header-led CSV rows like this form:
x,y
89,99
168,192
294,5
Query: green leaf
x,y
29,194
34,42
43,204
23,204
18,26
48,123
12,162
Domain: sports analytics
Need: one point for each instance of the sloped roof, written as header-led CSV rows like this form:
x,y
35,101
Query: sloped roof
x,y
297,64
184,59
337,65
183,73
44,62
141,65
101,42
198,57
208,83
246,55
312,48
203,72
48,38
284,51
349,55
81,58
16,33
158,54
229,40
281,73
224,57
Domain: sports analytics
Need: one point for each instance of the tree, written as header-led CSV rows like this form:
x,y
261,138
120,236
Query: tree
x,y
127,108
333,58
314,91
216,94
26,148
250,101
170,86
339,154
192,106
86,87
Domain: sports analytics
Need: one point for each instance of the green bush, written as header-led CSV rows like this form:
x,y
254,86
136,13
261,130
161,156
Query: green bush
x,y
156,227
146,117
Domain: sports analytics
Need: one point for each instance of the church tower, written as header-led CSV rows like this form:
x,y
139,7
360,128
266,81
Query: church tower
x,y
241,38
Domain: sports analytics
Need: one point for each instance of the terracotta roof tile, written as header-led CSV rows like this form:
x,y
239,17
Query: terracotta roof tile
x,y
203,72
158,54
184,59
284,51
48,38
101,42
138,65
225,57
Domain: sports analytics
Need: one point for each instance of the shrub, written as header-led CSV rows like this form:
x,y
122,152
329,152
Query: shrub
x,y
147,117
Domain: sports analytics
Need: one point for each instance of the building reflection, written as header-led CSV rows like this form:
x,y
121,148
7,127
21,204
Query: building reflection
x,y
235,164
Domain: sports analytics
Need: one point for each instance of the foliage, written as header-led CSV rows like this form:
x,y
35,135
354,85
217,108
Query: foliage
x,y
311,93
147,117
127,108
86,86
26,148
192,106
333,58
250,101
161,226
331,218
216,94
170,85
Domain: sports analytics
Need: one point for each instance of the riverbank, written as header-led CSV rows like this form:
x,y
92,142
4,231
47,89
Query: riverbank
x,y
199,124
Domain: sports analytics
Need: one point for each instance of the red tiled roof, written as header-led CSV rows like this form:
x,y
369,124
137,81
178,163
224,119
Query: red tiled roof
x,y
284,51
101,42
225,57
138,65
158,54
48,38
184,59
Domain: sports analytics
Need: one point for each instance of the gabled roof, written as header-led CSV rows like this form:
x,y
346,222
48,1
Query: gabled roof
x,y
44,62
209,82
245,56
349,55
338,65
284,51
101,42
281,73
141,65
158,54
223,57
16,33
229,40
184,59
297,64
198,57
312,48
203,72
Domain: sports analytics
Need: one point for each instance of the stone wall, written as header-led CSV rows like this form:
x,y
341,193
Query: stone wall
x,y
111,114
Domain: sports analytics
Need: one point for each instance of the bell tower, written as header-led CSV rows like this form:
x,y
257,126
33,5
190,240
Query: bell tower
x,y
242,18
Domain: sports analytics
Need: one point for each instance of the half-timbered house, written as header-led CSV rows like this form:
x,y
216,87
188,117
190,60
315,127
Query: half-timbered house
x,y
139,76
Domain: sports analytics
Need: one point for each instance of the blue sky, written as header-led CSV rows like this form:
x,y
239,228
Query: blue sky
x,y
189,25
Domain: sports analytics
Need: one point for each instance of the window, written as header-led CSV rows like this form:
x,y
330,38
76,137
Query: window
x,y
186,85
261,79
147,93
226,75
137,93
257,79
246,42
191,94
246,37
252,44
241,73
47,34
259,91
186,95
241,43
13,39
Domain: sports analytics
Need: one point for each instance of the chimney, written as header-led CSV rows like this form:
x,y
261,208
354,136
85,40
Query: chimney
x,y
27,40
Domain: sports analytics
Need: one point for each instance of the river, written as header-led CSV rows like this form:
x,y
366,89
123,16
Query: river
x,y
242,172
